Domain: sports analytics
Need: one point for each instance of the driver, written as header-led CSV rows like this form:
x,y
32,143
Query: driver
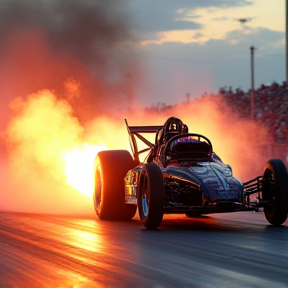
x,y
172,127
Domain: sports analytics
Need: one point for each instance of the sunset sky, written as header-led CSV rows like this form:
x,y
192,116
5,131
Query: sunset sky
x,y
153,51
199,46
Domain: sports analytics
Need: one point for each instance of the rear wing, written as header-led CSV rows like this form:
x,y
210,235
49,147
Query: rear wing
x,y
136,131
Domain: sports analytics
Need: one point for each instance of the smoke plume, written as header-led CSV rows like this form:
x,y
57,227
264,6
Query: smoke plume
x,y
43,43
69,76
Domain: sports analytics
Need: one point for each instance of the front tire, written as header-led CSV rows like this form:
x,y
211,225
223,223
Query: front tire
x,y
275,192
109,191
151,196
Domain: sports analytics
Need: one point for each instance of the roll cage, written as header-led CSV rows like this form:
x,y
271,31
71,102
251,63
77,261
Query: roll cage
x,y
136,132
194,148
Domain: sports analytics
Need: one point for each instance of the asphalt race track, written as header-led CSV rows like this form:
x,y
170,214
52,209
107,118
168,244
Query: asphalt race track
x,y
223,250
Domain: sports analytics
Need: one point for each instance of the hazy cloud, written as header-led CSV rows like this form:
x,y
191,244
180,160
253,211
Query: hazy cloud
x,y
165,15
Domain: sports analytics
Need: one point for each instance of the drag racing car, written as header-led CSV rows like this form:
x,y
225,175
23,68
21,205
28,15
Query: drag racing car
x,y
180,173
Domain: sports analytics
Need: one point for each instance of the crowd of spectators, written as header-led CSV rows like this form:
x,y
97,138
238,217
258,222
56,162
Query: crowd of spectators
x,y
270,108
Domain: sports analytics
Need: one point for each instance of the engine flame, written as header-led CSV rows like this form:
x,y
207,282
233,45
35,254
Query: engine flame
x,y
79,167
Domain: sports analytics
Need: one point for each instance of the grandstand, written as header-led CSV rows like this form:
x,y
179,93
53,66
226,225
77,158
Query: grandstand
x,y
271,106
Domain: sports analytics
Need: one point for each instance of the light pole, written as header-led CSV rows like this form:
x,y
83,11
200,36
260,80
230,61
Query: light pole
x,y
286,41
252,83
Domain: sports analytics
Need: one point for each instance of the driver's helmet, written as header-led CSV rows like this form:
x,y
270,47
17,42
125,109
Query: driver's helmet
x,y
172,127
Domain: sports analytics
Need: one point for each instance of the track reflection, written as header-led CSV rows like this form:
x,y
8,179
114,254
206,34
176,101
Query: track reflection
x,y
223,250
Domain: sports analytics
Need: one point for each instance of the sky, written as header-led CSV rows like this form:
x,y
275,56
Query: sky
x,y
151,51
199,46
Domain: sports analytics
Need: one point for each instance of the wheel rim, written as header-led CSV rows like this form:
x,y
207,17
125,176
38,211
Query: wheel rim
x,y
98,190
269,191
145,197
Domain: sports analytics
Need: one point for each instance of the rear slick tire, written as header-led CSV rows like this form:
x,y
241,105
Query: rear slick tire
x,y
151,196
275,191
109,191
